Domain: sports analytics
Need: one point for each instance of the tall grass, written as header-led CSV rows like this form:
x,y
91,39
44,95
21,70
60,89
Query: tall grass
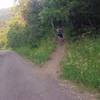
x,y
82,63
41,53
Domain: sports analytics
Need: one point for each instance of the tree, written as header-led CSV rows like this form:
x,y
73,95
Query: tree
x,y
54,12
30,10
84,14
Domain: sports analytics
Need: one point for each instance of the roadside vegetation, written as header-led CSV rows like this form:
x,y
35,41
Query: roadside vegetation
x,y
39,54
82,63
3,38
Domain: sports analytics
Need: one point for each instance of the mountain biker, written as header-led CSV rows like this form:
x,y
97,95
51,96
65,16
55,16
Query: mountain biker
x,y
60,33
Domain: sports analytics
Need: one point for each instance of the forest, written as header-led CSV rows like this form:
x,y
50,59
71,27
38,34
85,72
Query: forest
x,y
32,33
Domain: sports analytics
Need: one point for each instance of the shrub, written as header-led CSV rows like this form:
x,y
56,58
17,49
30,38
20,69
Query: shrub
x,y
41,53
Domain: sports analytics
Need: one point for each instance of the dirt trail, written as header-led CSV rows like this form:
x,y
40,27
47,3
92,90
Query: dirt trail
x,y
51,67
21,80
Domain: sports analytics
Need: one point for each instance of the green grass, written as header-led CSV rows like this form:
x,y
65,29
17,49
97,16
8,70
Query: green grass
x,y
3,38
82,63
39,54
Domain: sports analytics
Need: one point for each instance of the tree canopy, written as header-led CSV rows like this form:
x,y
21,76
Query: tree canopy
x,y
43,16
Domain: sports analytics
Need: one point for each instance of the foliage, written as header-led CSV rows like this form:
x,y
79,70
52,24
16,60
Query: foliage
x,y
30,12
17,32
31,31
26,28
39,54
79,15
82,63
43,15
84,14
3,38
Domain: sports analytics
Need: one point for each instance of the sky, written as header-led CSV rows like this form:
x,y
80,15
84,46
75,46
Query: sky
x,y
6,3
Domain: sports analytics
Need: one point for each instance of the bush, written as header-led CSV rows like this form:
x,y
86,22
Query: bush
x,y
3,38
83,15
39,54
17,36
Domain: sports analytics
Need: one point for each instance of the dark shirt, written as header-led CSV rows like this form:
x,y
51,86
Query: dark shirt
x,y
60,32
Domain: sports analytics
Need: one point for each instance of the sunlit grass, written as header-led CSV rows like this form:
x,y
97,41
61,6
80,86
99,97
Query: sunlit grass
x,y
82,63
39,54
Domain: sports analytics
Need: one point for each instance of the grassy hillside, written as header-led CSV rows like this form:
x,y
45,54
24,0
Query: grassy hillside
x,y
82,63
